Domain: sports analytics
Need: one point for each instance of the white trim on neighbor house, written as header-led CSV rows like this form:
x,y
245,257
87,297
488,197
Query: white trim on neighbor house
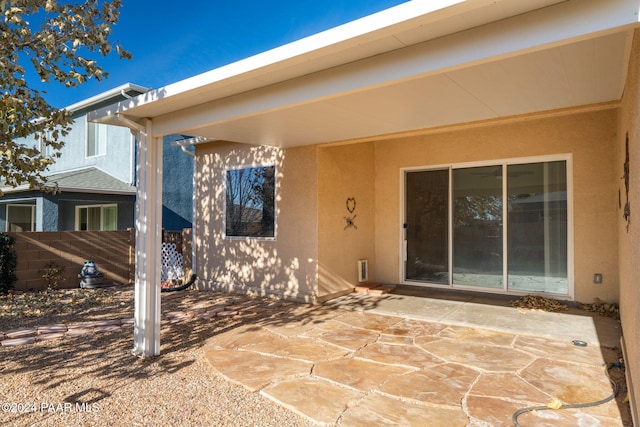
x,y
568,158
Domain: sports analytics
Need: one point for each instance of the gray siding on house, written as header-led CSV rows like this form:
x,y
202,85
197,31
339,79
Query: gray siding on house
x,y
57,213
105,179
118,160
177,185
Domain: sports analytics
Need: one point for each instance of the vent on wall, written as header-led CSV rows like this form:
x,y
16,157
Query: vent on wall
x,y
363,270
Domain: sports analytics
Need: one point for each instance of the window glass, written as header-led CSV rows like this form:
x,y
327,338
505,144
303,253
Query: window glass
x,y
110,218
20,218
250,202
477,226
427,227
96,139
97,218
508,223
537,224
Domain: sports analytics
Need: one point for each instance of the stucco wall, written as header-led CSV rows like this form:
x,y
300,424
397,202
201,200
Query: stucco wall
x,y
589,136
285,266
629,237
345,190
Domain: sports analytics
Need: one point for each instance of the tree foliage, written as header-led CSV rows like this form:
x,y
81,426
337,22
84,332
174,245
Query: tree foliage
x,y
8,263
59,43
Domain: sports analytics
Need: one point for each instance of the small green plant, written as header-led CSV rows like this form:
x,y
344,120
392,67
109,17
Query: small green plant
x,y
53,274
8,262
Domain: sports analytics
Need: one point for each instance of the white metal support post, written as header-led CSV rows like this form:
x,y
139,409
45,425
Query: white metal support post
x,y
148,244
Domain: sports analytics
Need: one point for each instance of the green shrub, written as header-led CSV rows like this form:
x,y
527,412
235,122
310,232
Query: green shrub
x,y
53,274
8,261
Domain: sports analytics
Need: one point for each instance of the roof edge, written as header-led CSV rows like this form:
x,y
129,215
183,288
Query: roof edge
x,y
104,96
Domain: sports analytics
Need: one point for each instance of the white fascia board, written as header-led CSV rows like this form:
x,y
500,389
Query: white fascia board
x,y
352,34
104,96
565,23
351,31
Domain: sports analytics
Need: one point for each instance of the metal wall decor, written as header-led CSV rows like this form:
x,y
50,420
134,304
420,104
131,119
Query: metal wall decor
x,y
627,206
351,207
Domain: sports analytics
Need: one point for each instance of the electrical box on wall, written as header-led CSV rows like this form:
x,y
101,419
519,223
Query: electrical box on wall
x,y
597,278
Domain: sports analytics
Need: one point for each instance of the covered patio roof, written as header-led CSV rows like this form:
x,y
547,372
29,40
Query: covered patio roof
x,y
415,66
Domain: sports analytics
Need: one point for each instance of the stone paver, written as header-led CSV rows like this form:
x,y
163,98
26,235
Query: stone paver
x,y
299,348
482,356
395,354
22,332
372,322
569,382
350,338
377,410
255,370
358,374
508,386
313,398
18,341
565,350
358,368
476,335
444,384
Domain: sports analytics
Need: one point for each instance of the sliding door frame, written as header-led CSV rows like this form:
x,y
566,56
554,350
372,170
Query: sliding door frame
x,y
504,163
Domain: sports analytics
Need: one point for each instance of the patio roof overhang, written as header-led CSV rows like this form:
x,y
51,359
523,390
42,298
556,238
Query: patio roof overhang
x,y
416,66
419,65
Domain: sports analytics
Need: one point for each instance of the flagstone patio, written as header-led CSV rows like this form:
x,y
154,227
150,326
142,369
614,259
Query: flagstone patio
x,y
364,360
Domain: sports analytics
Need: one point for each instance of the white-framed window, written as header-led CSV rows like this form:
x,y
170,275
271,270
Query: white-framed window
x,y
97,217
502,225
21,217
250,202
96,139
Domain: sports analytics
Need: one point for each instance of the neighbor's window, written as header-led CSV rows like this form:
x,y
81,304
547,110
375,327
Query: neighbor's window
x,y
250,210
21,218
44,149
96,139
97,218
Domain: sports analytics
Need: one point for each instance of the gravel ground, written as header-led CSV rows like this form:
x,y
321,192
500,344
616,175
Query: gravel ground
x,y
93,380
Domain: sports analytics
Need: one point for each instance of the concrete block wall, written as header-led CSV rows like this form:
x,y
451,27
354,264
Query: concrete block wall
x,y
112,251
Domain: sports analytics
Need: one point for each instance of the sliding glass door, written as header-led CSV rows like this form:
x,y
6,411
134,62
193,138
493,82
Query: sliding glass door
x,y
427,228
498,226
477,227
537,224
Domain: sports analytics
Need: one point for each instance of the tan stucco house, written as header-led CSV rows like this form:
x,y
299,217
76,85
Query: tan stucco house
x,y
489,146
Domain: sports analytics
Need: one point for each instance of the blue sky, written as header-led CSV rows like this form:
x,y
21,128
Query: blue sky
x,y
174,40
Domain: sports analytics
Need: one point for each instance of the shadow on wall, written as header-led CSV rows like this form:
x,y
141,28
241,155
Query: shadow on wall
x,y
261,266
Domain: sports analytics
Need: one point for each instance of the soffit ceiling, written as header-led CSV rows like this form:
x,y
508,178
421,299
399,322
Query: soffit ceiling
x,y
472,61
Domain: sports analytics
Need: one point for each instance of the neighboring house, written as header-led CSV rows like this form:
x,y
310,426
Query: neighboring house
x,y
469,146
96,178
